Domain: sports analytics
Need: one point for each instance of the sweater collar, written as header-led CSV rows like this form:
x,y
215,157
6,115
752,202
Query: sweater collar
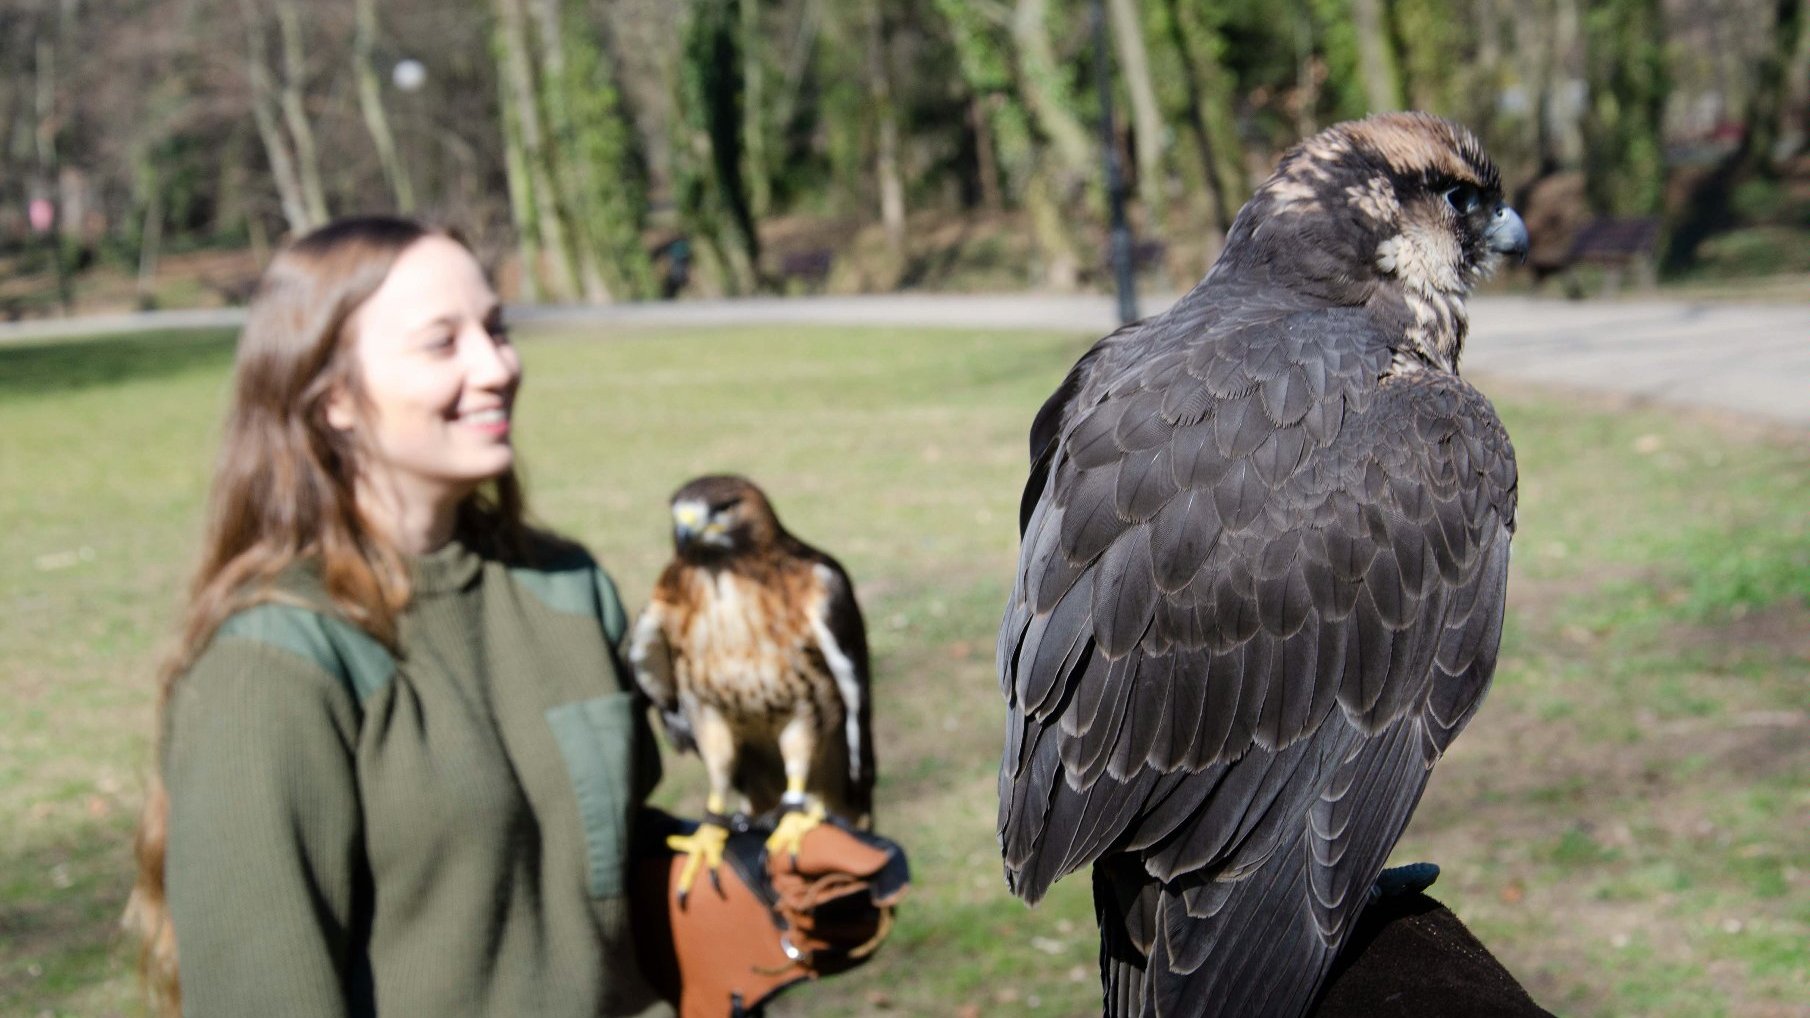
x,y
445,570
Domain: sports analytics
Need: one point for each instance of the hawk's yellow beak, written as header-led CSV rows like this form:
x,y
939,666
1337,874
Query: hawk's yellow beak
x,y
687,520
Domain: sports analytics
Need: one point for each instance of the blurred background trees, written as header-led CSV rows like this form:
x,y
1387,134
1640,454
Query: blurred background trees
x,y
616,149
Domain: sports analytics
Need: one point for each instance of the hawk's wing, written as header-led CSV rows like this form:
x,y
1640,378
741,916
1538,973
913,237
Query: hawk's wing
x,y
1258,594
842,638
650,654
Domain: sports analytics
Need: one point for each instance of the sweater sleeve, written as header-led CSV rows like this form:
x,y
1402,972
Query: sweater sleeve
x,y
264,834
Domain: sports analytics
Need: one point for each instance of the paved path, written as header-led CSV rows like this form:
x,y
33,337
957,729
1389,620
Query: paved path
x,y
40,329
1749,358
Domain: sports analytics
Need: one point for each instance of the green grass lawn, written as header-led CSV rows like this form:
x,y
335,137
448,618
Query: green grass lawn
x,y
1625,822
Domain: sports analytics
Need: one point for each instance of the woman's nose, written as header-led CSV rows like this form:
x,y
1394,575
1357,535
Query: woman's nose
x,y
490,361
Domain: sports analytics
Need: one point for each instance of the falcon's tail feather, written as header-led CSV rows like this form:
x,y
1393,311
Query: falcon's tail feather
x,y
1125,913
1248,959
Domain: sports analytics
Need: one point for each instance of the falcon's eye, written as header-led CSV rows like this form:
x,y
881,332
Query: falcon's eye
x,y
725,506
1463,198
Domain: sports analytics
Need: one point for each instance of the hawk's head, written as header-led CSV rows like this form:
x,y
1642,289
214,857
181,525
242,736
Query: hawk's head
x,y
721,515
1399,205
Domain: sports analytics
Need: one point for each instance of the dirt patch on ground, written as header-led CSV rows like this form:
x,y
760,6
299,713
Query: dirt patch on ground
x,y
1782,628
1673,839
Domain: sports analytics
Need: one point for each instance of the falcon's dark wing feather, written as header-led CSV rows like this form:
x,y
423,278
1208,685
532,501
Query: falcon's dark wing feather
x,y
844,640
1259,593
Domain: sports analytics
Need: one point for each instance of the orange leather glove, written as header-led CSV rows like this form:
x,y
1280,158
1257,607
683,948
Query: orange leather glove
x,y
765,923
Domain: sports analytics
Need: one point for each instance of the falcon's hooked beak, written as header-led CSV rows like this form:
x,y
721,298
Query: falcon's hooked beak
x,y
1506,233
688,520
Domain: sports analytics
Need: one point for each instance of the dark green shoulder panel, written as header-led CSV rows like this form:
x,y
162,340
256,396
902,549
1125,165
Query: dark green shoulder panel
x,y
337,647
580,589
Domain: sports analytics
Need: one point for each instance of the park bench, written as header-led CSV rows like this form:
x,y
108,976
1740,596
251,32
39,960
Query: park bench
x,y
235,289
1616,245
1145,254
809,268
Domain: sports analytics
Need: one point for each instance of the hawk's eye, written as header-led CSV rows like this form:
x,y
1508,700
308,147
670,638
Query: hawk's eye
x,y
726,505
1463,198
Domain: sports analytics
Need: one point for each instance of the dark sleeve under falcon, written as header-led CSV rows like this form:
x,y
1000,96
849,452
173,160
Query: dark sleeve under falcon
x,y
1265,551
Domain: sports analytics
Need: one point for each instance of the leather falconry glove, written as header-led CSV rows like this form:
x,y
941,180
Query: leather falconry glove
x,y
770,922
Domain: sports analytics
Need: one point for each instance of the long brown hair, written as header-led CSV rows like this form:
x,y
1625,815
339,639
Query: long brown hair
x,y
283,493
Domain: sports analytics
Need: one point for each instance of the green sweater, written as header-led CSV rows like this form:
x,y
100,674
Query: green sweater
x,y
444,832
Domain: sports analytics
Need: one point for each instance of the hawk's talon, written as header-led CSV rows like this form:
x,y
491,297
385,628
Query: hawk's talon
x,y
793,825
703,850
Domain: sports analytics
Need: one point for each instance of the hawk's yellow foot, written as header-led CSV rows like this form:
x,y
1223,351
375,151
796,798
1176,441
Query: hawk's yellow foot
x,y
703,850
793,826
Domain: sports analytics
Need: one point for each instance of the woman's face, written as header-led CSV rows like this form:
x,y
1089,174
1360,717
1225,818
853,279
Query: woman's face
x,y
438,379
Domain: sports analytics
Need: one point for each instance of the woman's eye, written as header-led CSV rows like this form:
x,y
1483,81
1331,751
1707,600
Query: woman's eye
x,y
1463,199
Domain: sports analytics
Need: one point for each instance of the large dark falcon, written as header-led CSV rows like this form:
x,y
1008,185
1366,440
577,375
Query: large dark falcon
x,y
1265,546
754,651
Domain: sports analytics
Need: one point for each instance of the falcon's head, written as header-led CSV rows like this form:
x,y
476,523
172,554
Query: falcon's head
x,y
1398,207
720,515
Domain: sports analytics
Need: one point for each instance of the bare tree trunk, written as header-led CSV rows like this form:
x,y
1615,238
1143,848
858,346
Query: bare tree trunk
x,y
521,199
44,105
257,236
150,238
714,195
264,113
307,160
1376,56
1485,79
1624,135
798,63
370,103
986,165
1533,61
886,149
1063,167
1766,105
644,42
1794,111
1307,84
1049,223
517,76
10,89
49,165
230,215
1146,119
1207,86
1489,33
1563,109
1045,92
571,169
754,123
618,187
147,191
1024,173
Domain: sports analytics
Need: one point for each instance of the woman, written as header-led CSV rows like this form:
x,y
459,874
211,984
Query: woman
x,y
399,757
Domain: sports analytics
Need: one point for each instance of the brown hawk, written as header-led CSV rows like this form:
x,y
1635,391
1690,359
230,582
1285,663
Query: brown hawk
x,y
1265,549
754,652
